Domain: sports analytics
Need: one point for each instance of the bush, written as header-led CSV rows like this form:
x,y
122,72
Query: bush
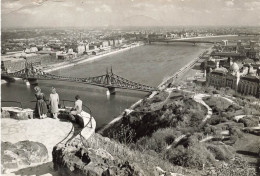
x,y
124,134
238,166
209,130
249,121
235,131
193,157
196,118
221,152
159,139
214,120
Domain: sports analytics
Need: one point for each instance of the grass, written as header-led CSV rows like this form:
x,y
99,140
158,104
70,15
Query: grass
x,y
125,153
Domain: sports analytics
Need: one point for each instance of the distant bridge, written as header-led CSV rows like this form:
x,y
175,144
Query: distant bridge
x,y
109,80
248,34
180,41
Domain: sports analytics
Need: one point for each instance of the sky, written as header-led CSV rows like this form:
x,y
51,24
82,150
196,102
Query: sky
x,y
85,13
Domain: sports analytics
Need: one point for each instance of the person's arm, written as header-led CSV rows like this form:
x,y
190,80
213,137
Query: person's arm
x,y
44,98
50,99
58,98
74,108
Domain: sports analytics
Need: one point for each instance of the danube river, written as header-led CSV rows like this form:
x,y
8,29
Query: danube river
x,y
148,64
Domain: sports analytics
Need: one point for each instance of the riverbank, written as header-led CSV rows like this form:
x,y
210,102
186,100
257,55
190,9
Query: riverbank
x,y
161,86
206,37
87,59
180,73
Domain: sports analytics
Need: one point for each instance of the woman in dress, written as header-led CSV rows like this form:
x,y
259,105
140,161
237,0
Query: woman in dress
x,y
54,102
41,106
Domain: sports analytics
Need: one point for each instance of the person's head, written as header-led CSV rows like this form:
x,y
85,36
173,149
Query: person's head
x,y
53,90
37,89
77,97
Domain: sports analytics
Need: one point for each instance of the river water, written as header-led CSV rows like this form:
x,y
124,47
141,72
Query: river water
x,y
148,64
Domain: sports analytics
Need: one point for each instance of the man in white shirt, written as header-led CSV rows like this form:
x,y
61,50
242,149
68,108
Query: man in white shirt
x,y
77,108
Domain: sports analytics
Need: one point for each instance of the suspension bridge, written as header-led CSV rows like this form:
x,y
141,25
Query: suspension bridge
x,y
109,80
179,40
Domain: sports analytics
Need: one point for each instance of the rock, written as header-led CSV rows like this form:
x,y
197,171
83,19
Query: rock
x,y
94,169
107,173
160,172
21,154
104,154
72,160
5,114
137,170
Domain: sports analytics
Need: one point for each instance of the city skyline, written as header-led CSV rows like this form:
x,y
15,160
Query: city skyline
x,y
85,13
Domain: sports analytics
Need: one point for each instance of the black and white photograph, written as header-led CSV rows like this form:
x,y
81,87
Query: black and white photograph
x,y
130,87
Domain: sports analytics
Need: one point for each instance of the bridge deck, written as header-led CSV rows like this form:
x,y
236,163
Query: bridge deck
x,y
109,80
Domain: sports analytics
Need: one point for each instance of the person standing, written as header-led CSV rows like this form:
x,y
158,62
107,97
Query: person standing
x,y
41,106
77,108
54,102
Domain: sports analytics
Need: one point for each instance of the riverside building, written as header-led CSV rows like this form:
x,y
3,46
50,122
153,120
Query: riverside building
x,y
245,80
238,51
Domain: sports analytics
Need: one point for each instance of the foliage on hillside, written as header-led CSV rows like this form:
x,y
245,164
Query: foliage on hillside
x,y
170,127
179,111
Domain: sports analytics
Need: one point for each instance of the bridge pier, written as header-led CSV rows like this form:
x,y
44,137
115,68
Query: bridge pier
x,y
8,79
111,91
30,81
27,82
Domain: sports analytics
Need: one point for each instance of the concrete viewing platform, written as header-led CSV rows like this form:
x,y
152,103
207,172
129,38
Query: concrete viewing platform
x,y
47,131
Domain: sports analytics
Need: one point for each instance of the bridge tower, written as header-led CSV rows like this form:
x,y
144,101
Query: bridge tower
x,y
110,89
28,70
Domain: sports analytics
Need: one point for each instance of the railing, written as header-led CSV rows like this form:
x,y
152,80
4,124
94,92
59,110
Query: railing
x,y
63,102
88,110
18,102
72,128
89,122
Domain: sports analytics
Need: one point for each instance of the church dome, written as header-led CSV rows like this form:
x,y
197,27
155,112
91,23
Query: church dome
x,y
234,67
251,71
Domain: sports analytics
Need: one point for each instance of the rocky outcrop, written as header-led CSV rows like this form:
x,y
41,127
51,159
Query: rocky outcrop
x,y
74,159
22,154
16,113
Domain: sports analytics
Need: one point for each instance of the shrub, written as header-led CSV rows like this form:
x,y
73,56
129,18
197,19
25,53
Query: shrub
x,y
159,139
214,120
124,134
220,152
210,130
235,131
238,166
193,157
249,121
196,118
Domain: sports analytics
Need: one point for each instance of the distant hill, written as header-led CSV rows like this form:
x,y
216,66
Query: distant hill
x,y
140,20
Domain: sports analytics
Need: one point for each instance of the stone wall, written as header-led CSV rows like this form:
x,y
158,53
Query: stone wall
x,y
16,113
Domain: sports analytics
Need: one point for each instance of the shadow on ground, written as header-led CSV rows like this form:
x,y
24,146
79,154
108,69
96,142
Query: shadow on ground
x,y
248,153
45,168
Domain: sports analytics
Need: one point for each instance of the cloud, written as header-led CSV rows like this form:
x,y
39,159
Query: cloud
x,y
175,12
103,8
229,3
27,12
252,5
67,4
11,5
79,9
207,11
